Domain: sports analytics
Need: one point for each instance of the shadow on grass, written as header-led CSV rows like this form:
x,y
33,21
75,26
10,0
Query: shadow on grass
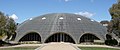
x,y
20,48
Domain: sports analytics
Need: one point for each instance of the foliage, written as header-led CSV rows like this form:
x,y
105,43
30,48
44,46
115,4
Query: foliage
x,y
2,24
7,25
96,48
115,10
10,26
114,25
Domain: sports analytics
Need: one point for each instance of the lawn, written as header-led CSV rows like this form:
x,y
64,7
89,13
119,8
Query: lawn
x,y
19,48
96,48
82,48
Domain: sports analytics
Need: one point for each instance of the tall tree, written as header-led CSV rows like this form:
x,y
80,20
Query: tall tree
x,y
114,25
115,10
7,26
10,27
2,24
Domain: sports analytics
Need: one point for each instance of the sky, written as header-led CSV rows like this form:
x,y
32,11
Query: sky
x,y
21,10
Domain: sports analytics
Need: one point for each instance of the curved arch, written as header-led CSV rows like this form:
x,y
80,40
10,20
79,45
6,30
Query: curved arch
x,y
110,41
31,36
60,37
88,37
108,37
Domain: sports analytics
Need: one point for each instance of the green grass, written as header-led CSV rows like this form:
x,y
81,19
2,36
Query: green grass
x,y
19,48
82,48
96,48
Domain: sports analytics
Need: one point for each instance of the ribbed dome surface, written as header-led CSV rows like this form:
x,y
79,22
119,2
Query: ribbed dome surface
x,y
73,25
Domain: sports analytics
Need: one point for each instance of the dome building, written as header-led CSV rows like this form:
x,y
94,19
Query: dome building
x,y
57,27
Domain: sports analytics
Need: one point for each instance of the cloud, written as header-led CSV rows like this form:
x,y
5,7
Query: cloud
x,y
66,0
13,16
86,14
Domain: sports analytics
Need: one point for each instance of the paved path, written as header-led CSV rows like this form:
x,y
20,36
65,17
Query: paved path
x,y
78,45
58,46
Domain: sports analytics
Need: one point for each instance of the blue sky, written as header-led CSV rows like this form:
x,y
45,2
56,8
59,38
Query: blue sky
x,y
25,9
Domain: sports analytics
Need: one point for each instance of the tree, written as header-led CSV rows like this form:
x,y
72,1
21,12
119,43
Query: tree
x,y
2,24
7,26
10,27
115,10
114,25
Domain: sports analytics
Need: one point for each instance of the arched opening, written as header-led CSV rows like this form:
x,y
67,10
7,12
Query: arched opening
x,y
60,37
88,38
31,37
110,41
108,37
